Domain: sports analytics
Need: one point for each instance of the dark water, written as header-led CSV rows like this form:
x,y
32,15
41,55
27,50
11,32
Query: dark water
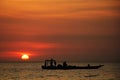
x,y
33,71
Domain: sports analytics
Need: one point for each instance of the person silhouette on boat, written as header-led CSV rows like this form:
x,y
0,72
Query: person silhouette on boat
x,y
52,62
88,65
64,64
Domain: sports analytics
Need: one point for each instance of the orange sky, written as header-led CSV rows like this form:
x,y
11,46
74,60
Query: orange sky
x,y
79,30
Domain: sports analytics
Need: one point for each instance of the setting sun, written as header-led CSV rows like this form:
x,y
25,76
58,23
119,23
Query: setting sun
x,y
25,57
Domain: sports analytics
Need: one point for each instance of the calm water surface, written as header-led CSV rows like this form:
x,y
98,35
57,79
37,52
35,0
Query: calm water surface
x,y
33,71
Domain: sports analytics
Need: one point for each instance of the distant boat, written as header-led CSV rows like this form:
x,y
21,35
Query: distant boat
x,y
51,65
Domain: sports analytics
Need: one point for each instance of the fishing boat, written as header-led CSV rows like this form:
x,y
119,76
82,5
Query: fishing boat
x,y
51,65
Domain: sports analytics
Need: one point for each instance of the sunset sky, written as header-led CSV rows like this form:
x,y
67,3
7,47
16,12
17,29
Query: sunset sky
x,y
71,30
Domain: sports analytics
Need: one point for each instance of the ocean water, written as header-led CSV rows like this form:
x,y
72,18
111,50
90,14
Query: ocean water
x,y
33,71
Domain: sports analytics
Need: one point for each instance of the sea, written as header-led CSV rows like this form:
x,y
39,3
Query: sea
x,y
33,71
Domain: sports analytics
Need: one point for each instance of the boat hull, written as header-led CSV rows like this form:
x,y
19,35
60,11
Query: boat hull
x,y
71,67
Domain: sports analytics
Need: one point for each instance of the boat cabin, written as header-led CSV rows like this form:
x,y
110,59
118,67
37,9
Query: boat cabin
x,y
50,63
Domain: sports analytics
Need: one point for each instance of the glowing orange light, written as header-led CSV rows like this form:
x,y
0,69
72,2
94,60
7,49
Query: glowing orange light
x,y
25,57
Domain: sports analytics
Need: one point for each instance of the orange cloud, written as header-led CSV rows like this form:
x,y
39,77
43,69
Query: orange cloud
x,y
28,45
60,8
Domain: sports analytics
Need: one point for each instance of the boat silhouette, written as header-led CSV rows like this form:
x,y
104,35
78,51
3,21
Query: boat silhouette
x,y
51,65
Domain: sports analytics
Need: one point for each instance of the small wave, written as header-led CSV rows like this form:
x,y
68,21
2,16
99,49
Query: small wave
x,y
51,75
91,75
